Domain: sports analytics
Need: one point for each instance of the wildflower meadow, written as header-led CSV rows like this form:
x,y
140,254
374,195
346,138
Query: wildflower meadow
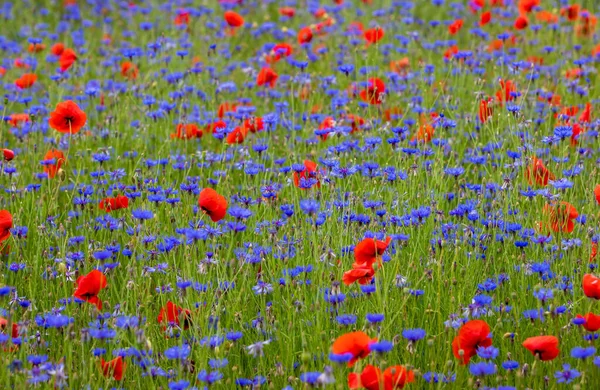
x,y
293,194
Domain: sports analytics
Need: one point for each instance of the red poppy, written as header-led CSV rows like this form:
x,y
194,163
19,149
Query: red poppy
x,y
267,76
326,124
89,286
233,19
19,63
254,124
571,12
67,117
356,28
374,92
112,204
560,217
57,49
355,343
114,368
374,35
591,286
592,322
392,114
425,132
586,114
213,204
53,168
279,51
215,126
287,11
369,250
472,335
305,35
521,22
574,73
544,347
310,172
226,107
173,314
546,17
17,119
14,332
538,173
129,70
485,111
400,66
355,121
362,275
36,47
370,378
576,131
485,18
67,58
526,6
182,18
26,81
455,26
451,52
8,154
187,131
593,251
237,136
396,377
6,223
505,94
597,193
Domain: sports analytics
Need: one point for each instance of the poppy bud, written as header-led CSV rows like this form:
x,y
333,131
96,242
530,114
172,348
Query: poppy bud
x,y
62,174
62,268
8,154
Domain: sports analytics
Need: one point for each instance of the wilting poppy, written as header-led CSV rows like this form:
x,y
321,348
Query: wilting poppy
x,y
6,223
129,70
305,35
53,159
67,117
213,204
455,26
591,286
89,286
374,35
233,19
538,173
370,378
237,136
369,250
8,154
396,377
114,368
266,76
26,81
592,322
67,59
544,347
116,203
187,131
472,335
374,92
560,217
355,343
173,314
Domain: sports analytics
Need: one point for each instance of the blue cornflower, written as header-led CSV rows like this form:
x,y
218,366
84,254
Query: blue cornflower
x,y
567,375
582,353
178,352
488,353
413,334
381,346
375,318
482,369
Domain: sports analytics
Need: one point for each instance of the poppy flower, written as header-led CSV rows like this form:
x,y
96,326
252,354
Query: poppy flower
x,y
52,168
544,347
576,131
67,58
67,117
20,64
57,49
374,92
451,52
17,119
173,314
213,204
400,66
521,22
396,377
560,216
354,343
485,18
215,127
593,251
362,275
526,6
14,331
546,17
392,114
455,26
6,223
305,35
254,124
370,378
233,19
116,203
310,172
237,136
485,111
26,81
374,35
279,51
536,172
597,193
425,132
356,28
182,18
592,322
586,114
267,76
571,12
114,368
495,45
327,123
287,11
129,70
573,73
226,107
36,47
591,286
8,154
89,286
355,121
505,94
472,335
187,131
368,250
